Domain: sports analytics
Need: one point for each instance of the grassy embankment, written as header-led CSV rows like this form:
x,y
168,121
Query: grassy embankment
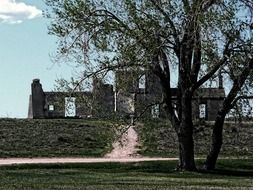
x,y
231,174
51,138
93,138
158,138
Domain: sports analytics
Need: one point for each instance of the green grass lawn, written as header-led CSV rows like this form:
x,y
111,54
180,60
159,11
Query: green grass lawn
x,y
231,174
55,138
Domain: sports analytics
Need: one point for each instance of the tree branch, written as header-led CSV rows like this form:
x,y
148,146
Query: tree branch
x,y
241,98
186,5
231,99
207,4
205,78
169,20
164,76
197,58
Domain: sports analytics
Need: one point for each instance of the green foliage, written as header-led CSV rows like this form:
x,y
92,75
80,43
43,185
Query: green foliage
x,y
135,29
72,85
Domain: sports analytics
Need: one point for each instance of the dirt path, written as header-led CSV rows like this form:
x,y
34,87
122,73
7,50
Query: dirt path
x,y
126,146
18,161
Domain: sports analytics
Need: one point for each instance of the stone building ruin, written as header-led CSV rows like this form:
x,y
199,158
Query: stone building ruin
x,y
97,103
136,93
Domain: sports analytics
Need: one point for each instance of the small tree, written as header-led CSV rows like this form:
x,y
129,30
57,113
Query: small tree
x,y
195,35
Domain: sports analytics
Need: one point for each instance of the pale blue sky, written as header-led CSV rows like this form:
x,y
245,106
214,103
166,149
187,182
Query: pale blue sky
x,y
25,47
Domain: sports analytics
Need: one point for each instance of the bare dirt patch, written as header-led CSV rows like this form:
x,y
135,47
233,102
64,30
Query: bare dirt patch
x,y
126,145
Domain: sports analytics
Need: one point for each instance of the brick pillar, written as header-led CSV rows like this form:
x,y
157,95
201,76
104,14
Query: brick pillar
x,y
38,100
220,80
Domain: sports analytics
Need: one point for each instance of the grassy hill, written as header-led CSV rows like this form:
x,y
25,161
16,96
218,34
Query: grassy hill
x,y
158,138
50,138
90,138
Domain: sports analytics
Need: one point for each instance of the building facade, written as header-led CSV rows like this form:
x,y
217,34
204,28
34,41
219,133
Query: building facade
x,y
136,92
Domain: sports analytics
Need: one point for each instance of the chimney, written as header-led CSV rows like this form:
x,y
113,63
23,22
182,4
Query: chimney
x,y
220,80
37,100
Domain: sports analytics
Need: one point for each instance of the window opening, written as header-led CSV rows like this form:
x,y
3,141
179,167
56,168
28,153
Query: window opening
x,y
142,82
155,111
51,107
202,111
70,107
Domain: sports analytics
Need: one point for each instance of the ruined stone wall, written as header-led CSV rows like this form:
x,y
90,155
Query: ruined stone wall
x,y
98,103
131,92
126,81
212,107
103,99
37,100
129,98
30,109
125,103
147,99
57,100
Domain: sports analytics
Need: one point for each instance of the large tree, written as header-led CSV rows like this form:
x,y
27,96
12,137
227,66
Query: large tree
x,y
197,37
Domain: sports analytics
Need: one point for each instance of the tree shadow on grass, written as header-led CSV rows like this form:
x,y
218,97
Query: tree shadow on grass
x,y
239,168
229,172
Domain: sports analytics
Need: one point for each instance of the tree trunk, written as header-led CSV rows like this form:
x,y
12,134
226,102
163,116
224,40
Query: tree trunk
x,y
186,151
228,104
185,137
216,142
